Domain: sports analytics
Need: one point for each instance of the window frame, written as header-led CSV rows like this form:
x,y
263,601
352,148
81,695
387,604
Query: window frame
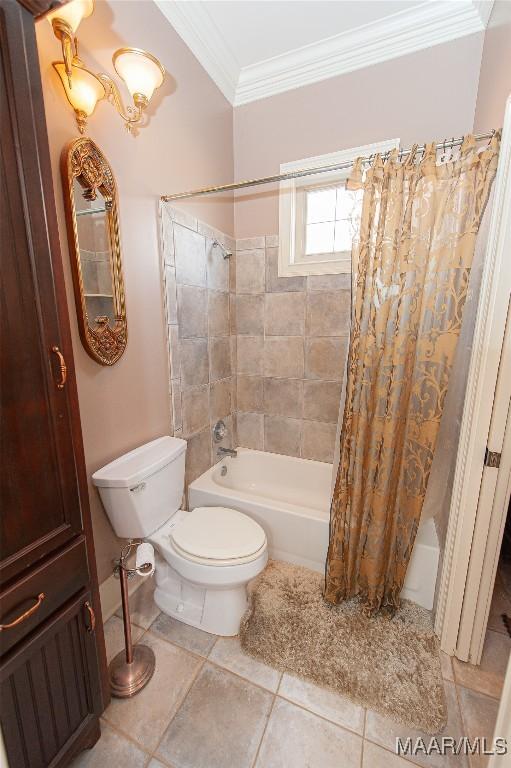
x,y
290,207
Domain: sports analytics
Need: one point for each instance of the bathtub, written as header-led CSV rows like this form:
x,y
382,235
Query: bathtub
x,y
290,498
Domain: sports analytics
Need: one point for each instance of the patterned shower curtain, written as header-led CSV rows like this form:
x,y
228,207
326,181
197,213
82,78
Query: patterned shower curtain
x,y
411,265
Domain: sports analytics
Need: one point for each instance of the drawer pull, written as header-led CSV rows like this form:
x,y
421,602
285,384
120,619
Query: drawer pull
x,y
92,626
62,367
25,615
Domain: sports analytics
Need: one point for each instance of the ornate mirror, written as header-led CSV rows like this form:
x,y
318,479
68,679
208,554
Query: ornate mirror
x,y
93,227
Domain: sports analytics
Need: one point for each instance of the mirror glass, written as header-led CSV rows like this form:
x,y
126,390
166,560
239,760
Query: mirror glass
x,y
95,245
95,255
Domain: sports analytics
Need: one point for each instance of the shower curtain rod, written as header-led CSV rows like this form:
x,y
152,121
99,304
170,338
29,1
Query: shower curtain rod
x,y
310,172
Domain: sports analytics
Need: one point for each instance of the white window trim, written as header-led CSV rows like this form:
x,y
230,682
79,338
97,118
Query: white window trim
x,y
287,209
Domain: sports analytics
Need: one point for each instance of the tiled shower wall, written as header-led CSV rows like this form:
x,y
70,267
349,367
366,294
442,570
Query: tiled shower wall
x,y
197,283
292,338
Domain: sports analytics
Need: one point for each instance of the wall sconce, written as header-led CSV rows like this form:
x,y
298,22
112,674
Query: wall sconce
x,y
141,71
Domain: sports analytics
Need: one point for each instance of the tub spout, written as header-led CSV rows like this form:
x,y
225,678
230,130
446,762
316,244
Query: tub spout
x,y
227,452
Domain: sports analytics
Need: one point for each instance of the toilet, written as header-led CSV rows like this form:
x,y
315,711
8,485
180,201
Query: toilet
x,y
204,558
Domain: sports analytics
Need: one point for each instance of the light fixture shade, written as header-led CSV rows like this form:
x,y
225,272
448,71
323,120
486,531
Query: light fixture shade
x,y
141,71
86,89
72,13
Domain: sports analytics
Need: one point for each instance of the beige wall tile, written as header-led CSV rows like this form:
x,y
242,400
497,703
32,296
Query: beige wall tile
x,y
192,311
250,430
282,435
328,313
250,314
249,353
250,393
220,399
283,397
177,409
190,256
219,357
174,352
321,400
248,243
217,268
195,410
183,218
325,358
228,441
276,283
284,314
194,362
198,455
218,313
318,440
232,273
271,241
329,282
250,271
171,295
284,357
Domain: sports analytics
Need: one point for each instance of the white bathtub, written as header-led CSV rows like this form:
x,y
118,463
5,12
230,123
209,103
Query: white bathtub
x,y
290,498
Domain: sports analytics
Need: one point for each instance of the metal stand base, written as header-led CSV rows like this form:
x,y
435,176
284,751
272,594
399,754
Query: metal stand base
x,y
127,679
132,668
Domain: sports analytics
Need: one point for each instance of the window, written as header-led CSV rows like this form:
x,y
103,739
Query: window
x,y
319,216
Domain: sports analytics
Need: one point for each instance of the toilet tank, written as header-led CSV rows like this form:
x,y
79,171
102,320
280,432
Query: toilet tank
x,y
144,488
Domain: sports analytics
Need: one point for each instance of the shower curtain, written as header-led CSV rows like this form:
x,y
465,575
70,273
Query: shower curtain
x,y
411,264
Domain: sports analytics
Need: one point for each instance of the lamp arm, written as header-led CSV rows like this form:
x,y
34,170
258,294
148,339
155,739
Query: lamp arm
x,y
130,115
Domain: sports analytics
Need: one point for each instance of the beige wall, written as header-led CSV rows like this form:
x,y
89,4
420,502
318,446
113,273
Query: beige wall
x,y
495,76
187,143
419,97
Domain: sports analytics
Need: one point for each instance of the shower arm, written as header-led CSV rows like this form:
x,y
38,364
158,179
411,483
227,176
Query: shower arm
x,y
447,144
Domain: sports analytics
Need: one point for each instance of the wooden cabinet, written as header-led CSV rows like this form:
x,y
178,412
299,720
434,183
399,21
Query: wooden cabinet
x,y
52,668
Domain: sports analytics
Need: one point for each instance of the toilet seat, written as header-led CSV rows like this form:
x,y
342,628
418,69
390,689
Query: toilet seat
x,y
218,536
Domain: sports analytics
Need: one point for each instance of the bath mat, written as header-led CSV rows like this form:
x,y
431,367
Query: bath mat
x,y
390,665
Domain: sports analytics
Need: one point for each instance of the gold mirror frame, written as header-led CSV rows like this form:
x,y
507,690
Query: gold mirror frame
x,y
83,161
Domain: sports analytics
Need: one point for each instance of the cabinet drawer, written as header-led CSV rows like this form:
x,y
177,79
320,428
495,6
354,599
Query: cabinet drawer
x,y
41,592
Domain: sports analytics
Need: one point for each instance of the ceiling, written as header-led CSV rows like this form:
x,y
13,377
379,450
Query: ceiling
x,y
257,48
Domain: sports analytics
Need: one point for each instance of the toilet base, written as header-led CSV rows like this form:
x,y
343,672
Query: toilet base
x,y
214,610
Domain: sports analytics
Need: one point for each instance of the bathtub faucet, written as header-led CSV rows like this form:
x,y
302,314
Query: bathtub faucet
x,y
227,452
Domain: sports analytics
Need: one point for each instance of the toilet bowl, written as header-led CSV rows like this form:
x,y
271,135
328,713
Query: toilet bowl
x,y
204,558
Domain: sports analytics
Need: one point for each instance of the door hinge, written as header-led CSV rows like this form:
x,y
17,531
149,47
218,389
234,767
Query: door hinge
x,y
492,459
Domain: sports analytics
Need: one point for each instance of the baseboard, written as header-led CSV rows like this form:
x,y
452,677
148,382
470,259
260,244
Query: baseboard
x,y
110,594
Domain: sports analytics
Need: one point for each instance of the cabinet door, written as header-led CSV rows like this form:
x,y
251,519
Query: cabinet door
x,y
49,691
39,497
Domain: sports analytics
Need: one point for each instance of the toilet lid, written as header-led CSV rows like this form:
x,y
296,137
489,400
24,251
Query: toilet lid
x,y
218,533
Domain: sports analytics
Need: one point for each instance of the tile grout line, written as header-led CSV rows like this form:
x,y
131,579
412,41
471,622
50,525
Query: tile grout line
x,y
263,734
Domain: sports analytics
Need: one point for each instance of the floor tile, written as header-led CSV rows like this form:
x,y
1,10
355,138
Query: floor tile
x,y
489,675
322,702
377,757
227,653
112,749
155,764
182,634
114,636
501,603
143,609
479,713
146,715
383,731
446,664
300,739
219,725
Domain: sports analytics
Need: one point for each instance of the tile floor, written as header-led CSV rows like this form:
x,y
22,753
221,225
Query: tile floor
x,y
211,706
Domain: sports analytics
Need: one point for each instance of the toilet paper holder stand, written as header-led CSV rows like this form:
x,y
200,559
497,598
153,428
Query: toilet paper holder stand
x,y
132,668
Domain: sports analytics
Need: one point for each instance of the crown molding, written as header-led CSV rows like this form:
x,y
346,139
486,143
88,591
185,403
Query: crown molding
x,y
197,29
404,32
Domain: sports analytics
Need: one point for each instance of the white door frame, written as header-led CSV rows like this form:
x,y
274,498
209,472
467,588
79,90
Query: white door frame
x,y
482,379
